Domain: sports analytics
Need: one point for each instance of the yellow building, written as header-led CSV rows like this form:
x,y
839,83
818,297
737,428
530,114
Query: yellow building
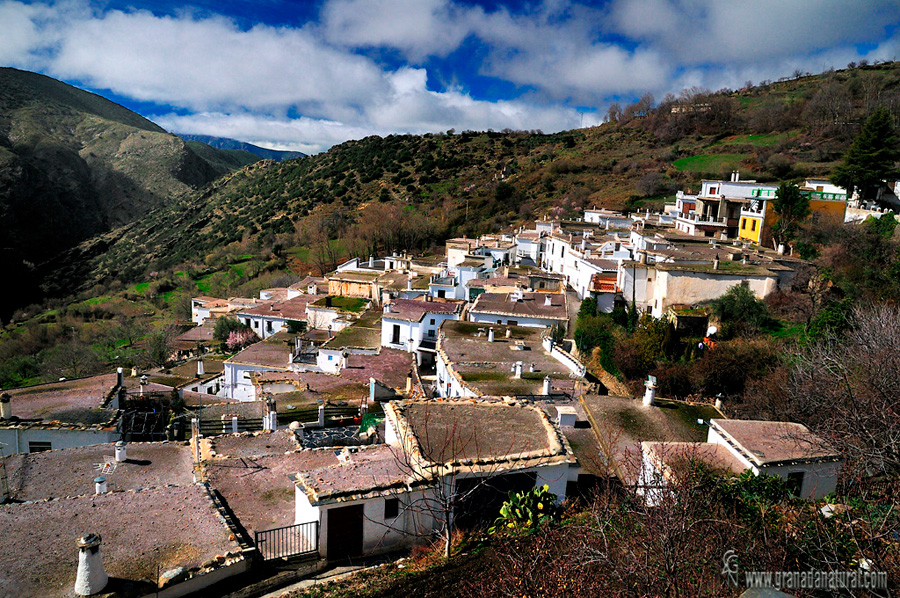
x,y
758,217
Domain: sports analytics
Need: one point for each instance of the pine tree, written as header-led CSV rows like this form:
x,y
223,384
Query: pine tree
x,y
791,206
872,158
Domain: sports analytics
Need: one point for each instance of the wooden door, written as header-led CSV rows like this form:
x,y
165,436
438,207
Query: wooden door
x,y
345,532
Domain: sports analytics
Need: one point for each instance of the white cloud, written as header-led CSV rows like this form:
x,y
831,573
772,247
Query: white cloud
x,y
310,87
712,31
418,28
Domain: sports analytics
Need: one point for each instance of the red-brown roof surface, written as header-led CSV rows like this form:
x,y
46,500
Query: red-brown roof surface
x,y
767,443
71,401
532,305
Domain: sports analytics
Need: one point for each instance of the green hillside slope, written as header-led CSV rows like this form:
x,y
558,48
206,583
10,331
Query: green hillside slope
x,y
73,165
405,192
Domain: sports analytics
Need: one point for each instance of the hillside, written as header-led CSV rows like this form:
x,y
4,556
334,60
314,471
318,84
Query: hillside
x,y
430,187
224,143
72,165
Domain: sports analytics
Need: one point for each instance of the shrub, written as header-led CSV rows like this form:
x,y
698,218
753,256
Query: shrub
x,y
526,511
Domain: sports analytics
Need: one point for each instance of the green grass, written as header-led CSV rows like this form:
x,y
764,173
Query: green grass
x,y
140,288
709,162
351,304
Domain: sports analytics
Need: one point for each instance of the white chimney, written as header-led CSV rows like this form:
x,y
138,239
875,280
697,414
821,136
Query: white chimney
x,y
371,261
321,415
120,377
508,333
234,424
200,370
5,406
91,577
311,289
531,368
490,335
409,284
387,308
100,485
121,453
518,370
716,263
545,390
547,302
650,391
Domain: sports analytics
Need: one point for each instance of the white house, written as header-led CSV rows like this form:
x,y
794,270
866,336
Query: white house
x,y
266,320
543,310
412,324
783,449
388,496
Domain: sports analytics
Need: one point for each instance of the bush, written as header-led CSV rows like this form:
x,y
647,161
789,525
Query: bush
x,y
526,511
740,312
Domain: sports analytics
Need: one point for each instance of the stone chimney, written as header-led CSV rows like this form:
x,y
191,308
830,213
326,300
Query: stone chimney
x,y
91,577
545,389
100,485
490,335
5,406
121,452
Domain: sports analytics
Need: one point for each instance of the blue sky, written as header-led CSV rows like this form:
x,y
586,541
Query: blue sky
x,y
307,75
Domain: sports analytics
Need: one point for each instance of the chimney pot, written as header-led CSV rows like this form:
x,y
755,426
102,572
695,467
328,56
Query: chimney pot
x,y
121,451
5,406
100,485
91,577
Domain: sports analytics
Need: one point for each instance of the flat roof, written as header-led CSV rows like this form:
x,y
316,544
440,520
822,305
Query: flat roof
x,y
145,533
71,472
487,367
531,305
76,401
366,472
272,352
677,455
290,309
258,488
413,310
769,443
388,366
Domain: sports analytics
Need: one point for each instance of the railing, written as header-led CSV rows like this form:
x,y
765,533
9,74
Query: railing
x,y
288,542
702,219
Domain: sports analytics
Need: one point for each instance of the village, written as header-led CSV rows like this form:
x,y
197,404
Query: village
x,y
392,401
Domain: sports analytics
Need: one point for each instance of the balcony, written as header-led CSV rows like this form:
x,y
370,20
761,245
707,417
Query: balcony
x,y
699,220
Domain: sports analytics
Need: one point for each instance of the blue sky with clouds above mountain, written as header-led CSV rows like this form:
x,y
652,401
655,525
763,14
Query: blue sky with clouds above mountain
x,y
307,75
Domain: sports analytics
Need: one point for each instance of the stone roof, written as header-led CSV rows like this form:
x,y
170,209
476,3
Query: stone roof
x,y
531,305
768,443
413,310
145,533
71,472
78,401
368,471
478,435
272,352
673,456
290,309
388,366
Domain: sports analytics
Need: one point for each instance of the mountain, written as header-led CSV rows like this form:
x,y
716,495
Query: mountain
x,y
225,143
74,165
409,191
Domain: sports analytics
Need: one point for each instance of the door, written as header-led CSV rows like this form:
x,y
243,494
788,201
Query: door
x,y
345,532
395,337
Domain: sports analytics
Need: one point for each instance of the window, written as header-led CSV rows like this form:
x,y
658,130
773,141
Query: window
x,y
395,335
39,447
500,321
391,508
268,325
512,323
743,224
331,358
432,321
431,333
752,225
540,285
441,294
712,190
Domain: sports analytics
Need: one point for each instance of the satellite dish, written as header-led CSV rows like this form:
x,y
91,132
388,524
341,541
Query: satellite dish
x,y
712,330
